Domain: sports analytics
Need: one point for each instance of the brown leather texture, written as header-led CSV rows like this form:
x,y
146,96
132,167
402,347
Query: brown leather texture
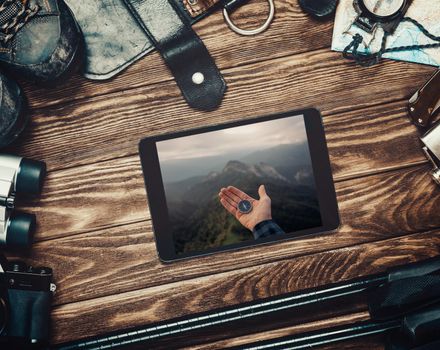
x,y
425,104
198,7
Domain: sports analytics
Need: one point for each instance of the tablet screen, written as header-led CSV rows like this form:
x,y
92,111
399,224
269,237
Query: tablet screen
x,y
239,184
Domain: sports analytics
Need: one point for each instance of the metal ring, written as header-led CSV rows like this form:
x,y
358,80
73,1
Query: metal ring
x,y
256,31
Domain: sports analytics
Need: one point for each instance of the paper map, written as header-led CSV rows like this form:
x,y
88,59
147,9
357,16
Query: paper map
x,y
425,12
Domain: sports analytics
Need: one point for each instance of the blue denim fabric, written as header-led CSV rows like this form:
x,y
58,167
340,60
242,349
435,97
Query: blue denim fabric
x,y
267,228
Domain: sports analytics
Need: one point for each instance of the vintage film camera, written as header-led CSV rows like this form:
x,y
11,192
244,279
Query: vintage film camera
x,y
18,176
423,106
431,140
25,304
25,292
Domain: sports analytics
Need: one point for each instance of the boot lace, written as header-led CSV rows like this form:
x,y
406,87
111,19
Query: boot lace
x,y
13,24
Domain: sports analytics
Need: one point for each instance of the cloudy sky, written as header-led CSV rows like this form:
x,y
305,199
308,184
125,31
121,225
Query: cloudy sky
x,y
247,138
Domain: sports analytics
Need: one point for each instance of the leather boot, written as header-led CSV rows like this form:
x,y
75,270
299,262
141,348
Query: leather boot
x,y
319,9
39,39
13,116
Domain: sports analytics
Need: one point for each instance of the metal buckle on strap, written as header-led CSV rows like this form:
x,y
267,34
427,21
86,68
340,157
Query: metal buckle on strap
x,y
249,32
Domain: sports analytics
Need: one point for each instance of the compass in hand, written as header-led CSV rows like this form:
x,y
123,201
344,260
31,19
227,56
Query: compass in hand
x,y
244,206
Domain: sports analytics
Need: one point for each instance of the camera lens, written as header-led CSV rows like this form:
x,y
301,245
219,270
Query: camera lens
x,y
21,229
30,176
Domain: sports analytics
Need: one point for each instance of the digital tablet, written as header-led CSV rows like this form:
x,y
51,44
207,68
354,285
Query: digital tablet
x,y
239,184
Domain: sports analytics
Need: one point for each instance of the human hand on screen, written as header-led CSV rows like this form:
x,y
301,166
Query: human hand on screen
x,y
231,196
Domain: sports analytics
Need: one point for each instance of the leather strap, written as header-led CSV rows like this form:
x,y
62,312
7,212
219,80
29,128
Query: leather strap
x,y
318,8
197,8
232,5
195,71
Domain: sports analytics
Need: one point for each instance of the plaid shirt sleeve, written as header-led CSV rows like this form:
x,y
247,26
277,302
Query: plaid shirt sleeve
x,y
267,228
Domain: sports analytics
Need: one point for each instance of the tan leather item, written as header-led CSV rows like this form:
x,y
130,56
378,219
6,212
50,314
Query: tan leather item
x,y
198,7
431,140
425,103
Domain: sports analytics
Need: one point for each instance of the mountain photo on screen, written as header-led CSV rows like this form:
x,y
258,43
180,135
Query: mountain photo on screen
x,y
195,168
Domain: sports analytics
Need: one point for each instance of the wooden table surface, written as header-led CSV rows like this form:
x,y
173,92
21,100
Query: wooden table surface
x,y
94,227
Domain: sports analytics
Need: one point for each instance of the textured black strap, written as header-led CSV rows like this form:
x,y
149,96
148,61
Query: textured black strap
x,y
194,69
232,5
403,296
318,8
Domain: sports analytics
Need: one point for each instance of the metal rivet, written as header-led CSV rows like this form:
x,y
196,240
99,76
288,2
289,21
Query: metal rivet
x,y
420,120
198,78
412,109
193,2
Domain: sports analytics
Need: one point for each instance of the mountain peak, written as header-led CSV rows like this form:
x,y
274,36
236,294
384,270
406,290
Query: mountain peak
x,y
236,166
212,175
266,170
262,170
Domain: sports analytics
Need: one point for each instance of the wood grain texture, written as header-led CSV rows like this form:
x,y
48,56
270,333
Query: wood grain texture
x,y
111,193
94,224
292,32
83,261
366,343
110,126
370,140
283,332
297,321
139,307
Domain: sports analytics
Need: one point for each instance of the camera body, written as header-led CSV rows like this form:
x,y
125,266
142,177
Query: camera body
x,y
25,303
18,176
431,141
423,108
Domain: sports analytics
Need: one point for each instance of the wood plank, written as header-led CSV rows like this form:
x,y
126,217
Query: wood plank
x,y
297,321
94,225
373,139
91,197
140,307
372,209
366,343
283,332
369,343
292,32
116,186
111,126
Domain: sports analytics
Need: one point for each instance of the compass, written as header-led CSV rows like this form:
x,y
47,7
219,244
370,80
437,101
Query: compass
x,y
244,206
383,8
386,13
